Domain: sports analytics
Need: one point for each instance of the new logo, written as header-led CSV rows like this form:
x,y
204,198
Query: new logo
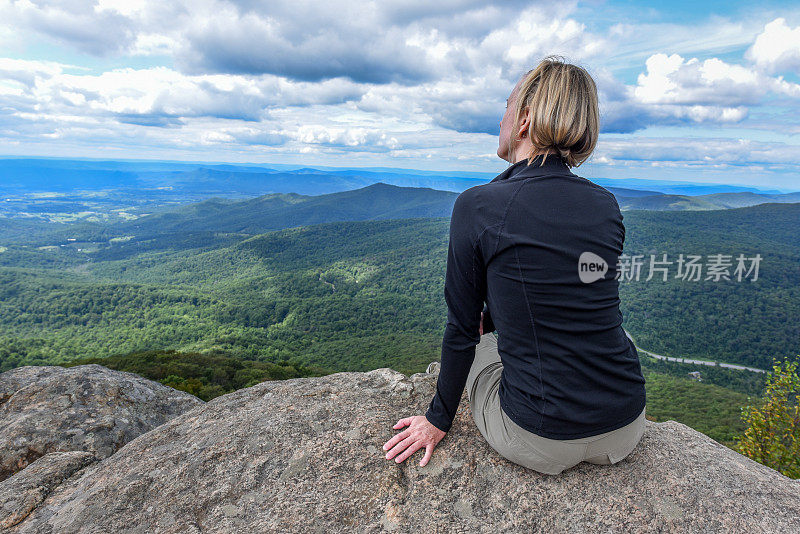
x,y
591,267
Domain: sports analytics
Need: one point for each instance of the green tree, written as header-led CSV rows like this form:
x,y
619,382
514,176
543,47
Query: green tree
x,y
773,434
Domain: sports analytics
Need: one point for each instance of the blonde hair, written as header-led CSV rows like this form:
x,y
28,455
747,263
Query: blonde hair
x,y
565,117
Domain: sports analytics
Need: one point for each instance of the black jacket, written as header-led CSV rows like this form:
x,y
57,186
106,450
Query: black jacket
x,y
519,244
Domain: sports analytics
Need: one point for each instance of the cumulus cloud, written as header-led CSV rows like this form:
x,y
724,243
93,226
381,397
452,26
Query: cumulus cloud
x,y
434,58
246,43
257,136
26,72
345,137
74,22
675,80
380,42
469,105
396,77
369,42
160,95
674,90
777,47
627,109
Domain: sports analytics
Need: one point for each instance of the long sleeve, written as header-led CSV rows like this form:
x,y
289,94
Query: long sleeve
x,y
464,292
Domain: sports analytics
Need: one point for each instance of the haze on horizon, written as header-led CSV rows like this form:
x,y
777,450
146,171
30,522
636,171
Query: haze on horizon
x,y
701,92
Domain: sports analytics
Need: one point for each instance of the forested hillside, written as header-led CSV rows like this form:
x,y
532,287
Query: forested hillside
x,y
347,296
311,291
748,321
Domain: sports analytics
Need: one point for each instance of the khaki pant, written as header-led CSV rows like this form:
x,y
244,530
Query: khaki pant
x,y
549,456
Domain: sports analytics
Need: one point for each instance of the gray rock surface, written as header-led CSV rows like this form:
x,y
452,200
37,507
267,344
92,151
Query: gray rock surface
x,y
22,492
84,408
305,455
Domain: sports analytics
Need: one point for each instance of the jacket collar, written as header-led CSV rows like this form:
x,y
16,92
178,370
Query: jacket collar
x,y
553,164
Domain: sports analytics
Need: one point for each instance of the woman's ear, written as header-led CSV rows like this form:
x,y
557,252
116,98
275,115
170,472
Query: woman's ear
x,y
524,123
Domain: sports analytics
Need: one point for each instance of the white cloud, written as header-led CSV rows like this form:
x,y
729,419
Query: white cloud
x,y
21,75
406,79
74,22
160,91
688,152
345,137
710,91
153,44
777,47
674,80
377,42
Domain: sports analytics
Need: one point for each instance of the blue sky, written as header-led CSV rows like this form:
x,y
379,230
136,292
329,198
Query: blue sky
x,y
695,91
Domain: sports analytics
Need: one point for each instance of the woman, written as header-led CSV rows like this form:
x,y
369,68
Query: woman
x,y
560,383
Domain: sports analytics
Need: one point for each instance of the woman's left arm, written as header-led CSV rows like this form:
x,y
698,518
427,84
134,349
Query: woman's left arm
x,y
465,293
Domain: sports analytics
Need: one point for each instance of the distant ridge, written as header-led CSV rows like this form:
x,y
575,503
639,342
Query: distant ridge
x,y
232,180
377,201
285,210
715,201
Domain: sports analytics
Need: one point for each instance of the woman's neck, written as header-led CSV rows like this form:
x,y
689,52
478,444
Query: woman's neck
x,y
521,155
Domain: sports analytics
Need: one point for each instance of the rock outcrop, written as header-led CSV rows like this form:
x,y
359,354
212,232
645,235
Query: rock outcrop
x,y
306,455
23,492
86,408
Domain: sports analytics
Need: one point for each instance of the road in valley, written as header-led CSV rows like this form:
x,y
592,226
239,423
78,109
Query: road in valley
x,y
696,362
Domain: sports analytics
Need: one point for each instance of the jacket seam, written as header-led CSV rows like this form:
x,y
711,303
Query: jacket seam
x,y
535,339
527,303
474,243
502,222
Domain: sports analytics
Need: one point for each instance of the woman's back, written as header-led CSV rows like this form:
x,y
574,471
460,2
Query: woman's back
x,y
569,369
540,246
